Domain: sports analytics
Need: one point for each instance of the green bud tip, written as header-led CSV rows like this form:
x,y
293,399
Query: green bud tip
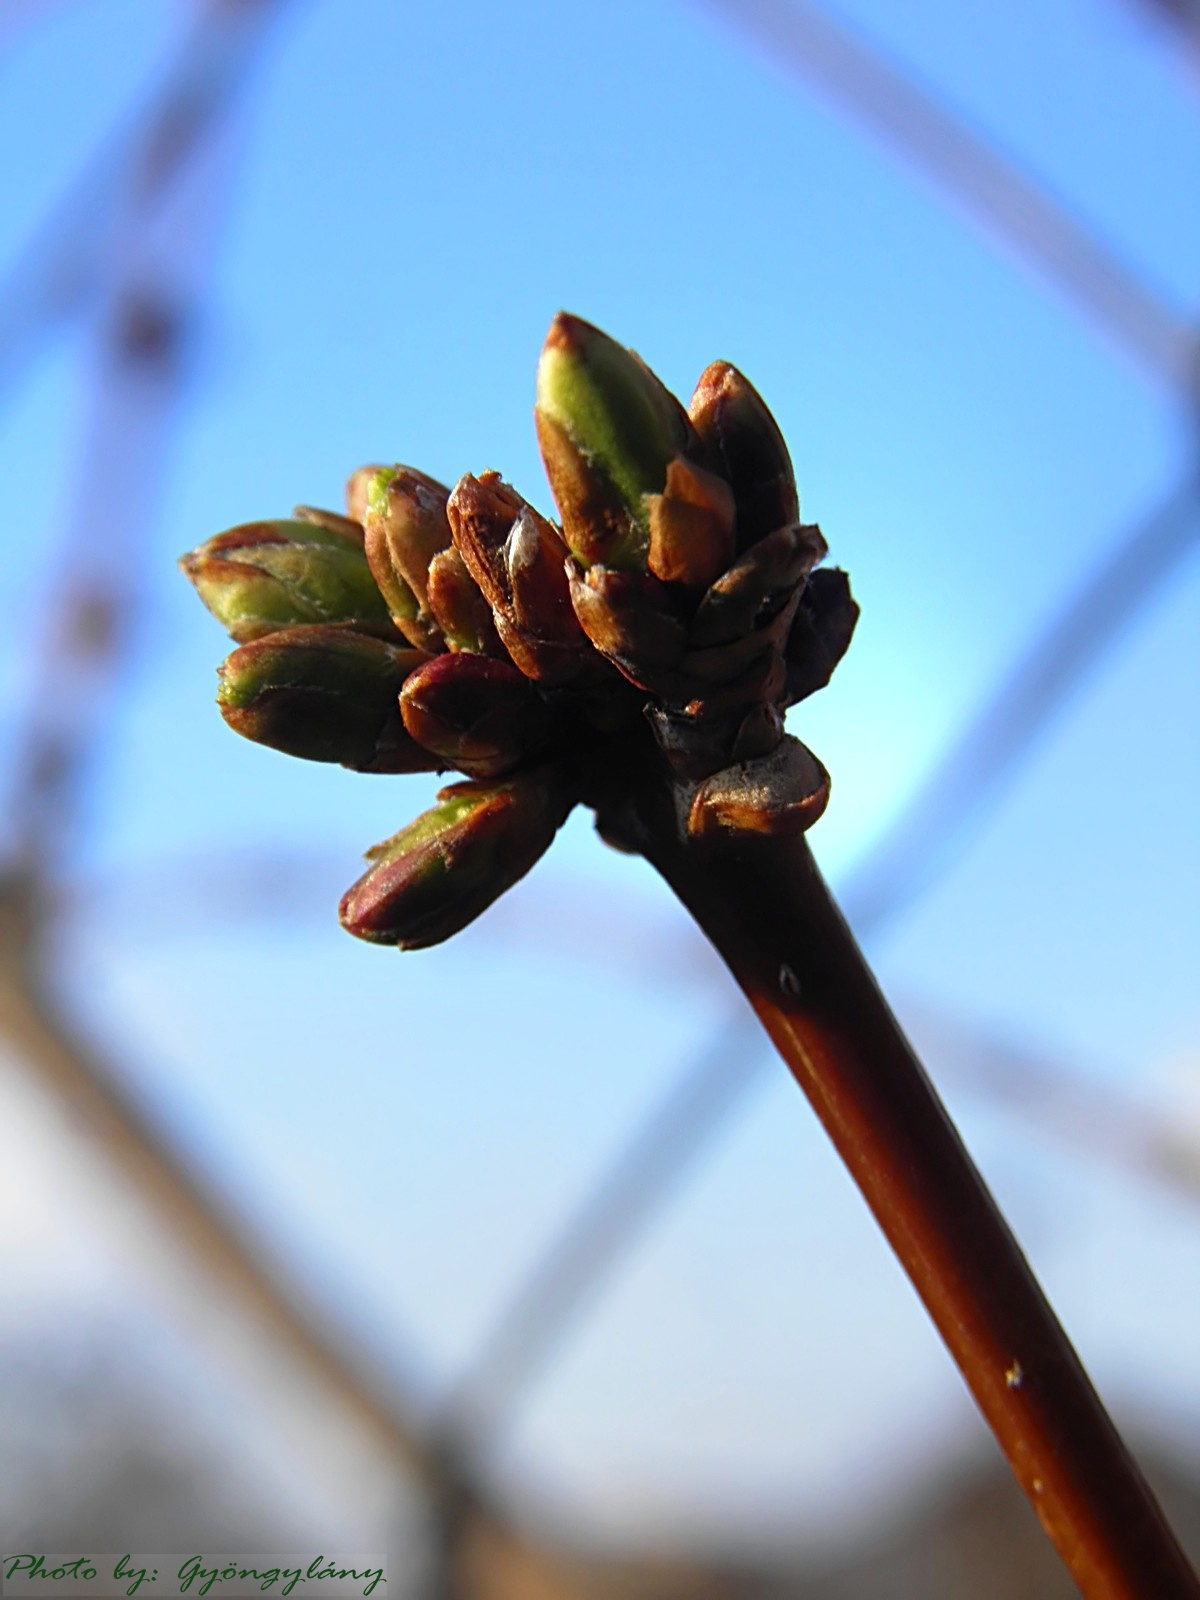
x,y
264,576
437,875
324,694
607,429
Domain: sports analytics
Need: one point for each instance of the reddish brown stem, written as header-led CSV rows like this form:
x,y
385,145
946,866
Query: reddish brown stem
x,y
763,904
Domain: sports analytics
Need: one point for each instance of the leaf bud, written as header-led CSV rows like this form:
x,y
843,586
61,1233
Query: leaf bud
x,y
406,527
745,445
326,694
435,876
264,576
479,715
607,428
781,793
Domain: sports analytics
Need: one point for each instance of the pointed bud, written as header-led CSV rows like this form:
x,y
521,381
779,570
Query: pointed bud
x,y
474,713
437,875
691,526
607,429
458,607
747,448
406,527
263,576
326,694
820,633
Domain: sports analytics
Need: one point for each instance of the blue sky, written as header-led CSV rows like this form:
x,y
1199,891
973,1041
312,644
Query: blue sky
x,y
419,189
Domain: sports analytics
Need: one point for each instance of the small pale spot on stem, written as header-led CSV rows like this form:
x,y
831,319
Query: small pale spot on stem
x,y
1014,1377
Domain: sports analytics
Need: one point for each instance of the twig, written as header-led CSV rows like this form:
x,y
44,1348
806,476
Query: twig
x,y
767,910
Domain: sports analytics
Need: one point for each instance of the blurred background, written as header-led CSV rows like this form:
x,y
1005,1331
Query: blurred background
x,y
521,1258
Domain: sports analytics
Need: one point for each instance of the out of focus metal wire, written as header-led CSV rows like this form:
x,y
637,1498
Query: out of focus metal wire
x,y
133,242
62,272
1058,1100
1017,210
1183,15
219,1247
136,238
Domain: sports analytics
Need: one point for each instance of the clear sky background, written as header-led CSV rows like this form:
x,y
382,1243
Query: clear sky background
x,y
419,189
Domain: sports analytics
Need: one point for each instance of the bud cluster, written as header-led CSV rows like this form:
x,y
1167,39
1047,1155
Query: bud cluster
x,y
431,628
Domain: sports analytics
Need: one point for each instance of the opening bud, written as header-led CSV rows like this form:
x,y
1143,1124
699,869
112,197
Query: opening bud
x,y
631,618
481,511
534,560
333,520
760,583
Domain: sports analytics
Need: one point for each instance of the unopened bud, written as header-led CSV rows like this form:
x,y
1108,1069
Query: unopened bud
x,y
263,576
607,429
326,694
745,445
479,715
781,793
435,876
